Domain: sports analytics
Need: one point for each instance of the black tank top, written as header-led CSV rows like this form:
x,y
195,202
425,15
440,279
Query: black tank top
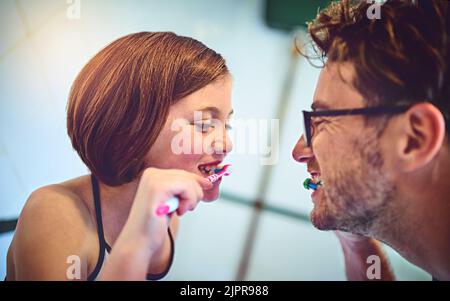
x,y
104,246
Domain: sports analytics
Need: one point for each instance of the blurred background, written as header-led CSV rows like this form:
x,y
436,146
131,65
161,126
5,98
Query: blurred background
x,y
259,229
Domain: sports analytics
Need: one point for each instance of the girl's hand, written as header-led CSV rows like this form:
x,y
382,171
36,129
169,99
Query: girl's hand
x,y
145,232
155,187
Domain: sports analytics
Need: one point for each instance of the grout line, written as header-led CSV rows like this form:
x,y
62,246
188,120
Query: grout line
x,y
8,225
28,31
28,35
13,167
266,207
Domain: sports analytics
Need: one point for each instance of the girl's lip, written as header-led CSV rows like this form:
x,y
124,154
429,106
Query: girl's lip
x,y
210,163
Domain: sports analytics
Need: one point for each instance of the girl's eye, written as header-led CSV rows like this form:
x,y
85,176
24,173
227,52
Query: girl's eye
x,y
203,127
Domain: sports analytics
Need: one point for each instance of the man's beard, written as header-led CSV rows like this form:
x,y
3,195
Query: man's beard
x,y
357,200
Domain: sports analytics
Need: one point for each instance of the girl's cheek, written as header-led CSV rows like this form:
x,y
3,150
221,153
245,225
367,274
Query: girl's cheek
x,y
196,143
185,142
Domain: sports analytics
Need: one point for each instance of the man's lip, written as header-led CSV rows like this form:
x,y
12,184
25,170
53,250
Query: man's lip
x,y
315,194
313,173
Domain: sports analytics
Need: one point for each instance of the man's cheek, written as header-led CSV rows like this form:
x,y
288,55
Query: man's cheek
x,y
331,164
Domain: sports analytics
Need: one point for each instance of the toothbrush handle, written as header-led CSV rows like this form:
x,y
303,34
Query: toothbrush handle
x,y
213,178
168,206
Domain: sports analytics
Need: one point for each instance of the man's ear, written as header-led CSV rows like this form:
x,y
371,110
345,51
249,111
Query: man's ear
x,y
421,136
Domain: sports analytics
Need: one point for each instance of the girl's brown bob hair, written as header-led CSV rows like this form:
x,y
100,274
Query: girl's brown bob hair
x,y
119,102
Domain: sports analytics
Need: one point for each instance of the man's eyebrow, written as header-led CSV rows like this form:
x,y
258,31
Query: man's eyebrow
x,y
319,105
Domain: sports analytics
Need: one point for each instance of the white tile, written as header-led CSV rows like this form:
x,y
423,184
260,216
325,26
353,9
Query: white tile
x,y
288,249
5,241
38,12
12,188
32,127
12,30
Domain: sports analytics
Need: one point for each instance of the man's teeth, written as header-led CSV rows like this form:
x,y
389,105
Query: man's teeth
x,y
317,180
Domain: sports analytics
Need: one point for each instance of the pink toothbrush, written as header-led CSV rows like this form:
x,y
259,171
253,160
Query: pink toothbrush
x,y
172,204
224,171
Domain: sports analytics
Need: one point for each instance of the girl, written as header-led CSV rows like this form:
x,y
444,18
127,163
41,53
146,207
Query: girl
x,y
120,118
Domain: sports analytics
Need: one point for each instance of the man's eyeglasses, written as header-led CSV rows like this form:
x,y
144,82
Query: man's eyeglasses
x,y
309,127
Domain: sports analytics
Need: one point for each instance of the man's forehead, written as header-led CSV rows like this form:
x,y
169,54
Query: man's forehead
x,y
334,88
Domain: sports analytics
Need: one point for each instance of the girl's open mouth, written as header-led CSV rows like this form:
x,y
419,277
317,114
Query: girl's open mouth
x,y
209,168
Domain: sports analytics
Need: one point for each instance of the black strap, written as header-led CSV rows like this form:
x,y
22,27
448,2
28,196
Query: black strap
x,y
101,236
172,251
105,246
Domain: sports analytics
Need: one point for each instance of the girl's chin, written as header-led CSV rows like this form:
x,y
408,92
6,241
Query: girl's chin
x,y
211,195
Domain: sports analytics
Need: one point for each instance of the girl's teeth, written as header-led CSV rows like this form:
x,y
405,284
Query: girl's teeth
x,y
207,170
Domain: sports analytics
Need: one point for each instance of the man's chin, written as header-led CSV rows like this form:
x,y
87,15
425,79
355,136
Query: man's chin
x,y
322,221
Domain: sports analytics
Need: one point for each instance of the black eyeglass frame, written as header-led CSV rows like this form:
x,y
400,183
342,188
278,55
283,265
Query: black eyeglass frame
x,y
380,110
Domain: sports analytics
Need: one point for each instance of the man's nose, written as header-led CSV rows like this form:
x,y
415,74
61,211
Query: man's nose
x,y
302,153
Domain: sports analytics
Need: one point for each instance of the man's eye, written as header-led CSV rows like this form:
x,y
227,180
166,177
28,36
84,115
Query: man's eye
x,y
228,127
317,122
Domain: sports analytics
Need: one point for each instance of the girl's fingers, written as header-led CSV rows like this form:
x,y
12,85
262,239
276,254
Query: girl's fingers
x,y
195,196
204,183
188,197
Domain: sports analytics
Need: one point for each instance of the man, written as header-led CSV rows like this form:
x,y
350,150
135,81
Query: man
x,y
384,168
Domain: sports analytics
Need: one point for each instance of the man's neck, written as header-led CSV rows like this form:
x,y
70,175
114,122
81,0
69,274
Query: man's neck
x,y
421,231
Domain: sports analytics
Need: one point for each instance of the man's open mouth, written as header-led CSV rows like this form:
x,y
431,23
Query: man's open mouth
x,y
315,177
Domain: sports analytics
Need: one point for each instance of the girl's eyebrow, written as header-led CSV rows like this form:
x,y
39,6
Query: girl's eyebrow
x,y
214,110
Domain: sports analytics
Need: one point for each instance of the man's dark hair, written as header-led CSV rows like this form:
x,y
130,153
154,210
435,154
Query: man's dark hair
x,y
401,57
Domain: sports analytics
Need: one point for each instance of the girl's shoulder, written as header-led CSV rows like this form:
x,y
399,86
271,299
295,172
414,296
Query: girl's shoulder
x,y
66,201
56,219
